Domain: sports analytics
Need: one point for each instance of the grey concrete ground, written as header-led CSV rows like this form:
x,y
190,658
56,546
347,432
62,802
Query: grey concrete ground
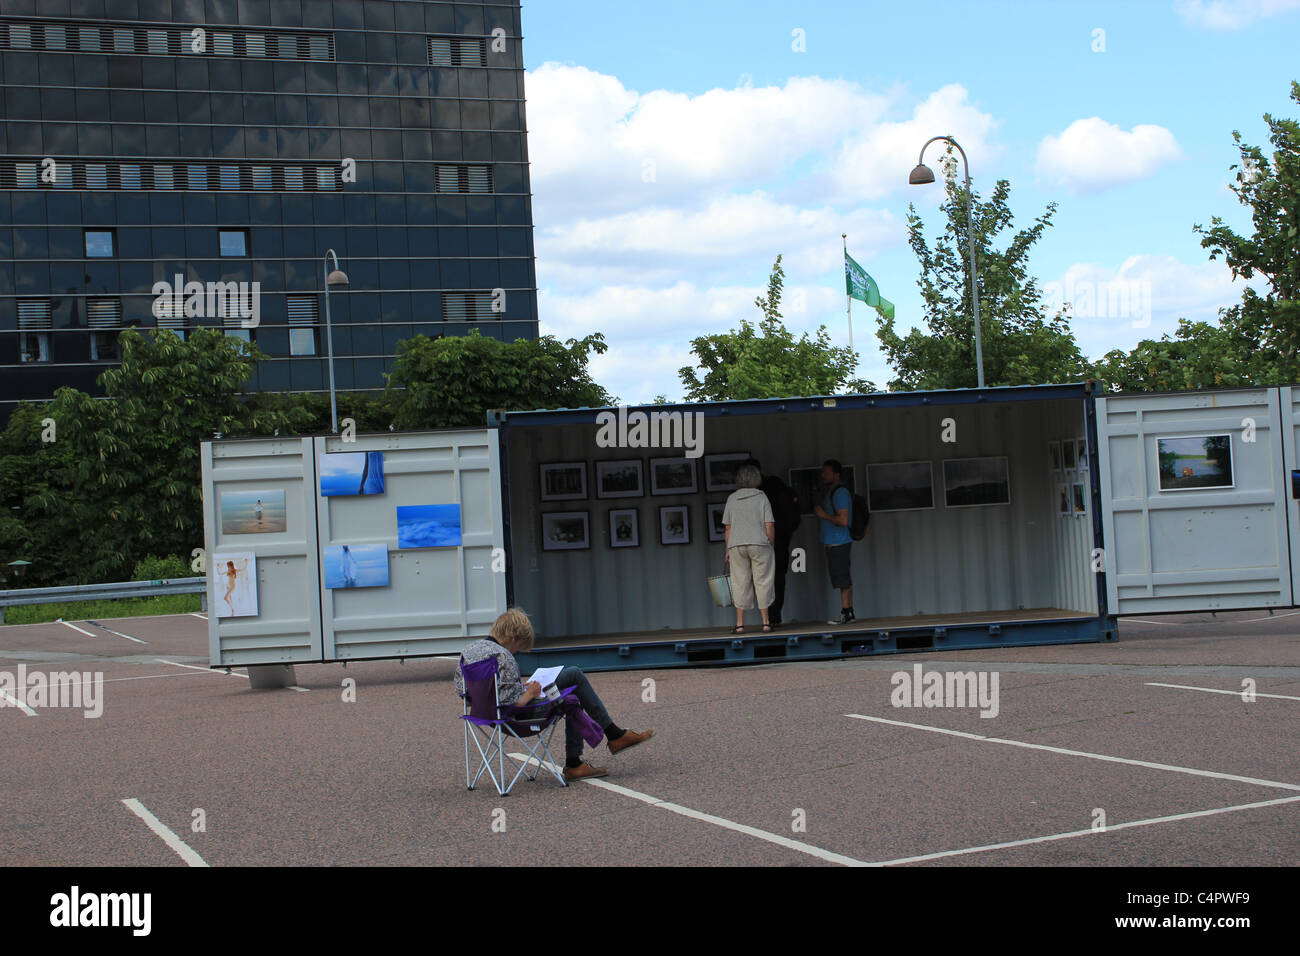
x,y
741,757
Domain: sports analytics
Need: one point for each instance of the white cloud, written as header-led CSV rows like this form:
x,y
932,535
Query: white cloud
x,y
1115,308
1092,154
876,163
1232,14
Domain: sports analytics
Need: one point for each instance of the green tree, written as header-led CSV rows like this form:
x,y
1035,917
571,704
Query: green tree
x,y
1265,329
121,480
1200,355
767,361
1021,345
452,381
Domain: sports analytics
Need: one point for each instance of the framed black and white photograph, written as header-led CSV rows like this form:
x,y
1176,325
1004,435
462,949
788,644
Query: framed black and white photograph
x,y
1077,498
1063,504
564,481
624,528
1054,455
620,479
1188,464
674,524
1081,454
717,530
900,486
807,485
1067,454
720,470
973,482
672,476
565,531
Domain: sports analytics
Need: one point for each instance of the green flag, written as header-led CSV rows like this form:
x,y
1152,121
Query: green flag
x,y
862,287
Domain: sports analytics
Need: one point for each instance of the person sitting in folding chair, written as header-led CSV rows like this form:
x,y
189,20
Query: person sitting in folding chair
x,y
513,632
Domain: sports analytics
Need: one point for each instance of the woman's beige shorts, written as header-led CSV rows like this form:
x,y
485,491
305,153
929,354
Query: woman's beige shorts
x,y
753,569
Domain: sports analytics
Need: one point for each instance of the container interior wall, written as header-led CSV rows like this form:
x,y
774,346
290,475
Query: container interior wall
x,y
1020,555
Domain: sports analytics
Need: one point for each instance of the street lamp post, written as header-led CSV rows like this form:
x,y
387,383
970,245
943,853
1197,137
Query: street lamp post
x,y
337,277
922,175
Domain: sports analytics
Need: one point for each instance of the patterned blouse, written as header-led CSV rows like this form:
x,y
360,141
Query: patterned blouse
x,y
510,686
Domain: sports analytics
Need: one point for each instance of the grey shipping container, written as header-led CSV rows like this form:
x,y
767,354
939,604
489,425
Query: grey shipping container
x,y
1025,515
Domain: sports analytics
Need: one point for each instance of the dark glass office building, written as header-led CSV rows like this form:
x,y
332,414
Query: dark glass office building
x,y
235,141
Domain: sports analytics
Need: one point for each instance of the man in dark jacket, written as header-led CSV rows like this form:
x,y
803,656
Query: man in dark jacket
x,y
785,511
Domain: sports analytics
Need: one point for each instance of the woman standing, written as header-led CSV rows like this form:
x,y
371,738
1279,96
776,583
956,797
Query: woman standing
x,y
751,555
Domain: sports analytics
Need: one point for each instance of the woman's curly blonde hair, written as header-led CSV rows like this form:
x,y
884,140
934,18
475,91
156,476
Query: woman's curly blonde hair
x,y
513,626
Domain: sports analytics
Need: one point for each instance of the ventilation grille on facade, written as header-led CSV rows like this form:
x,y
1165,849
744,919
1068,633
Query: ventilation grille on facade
x,y
468,306
238,176
34,315
103,313
463,179
302,310
166,41
457,51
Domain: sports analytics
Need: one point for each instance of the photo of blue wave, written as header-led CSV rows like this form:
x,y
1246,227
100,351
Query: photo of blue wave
x,y
428,526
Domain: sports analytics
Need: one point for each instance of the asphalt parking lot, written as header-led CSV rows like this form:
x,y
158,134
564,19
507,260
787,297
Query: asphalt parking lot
x,y
1142,752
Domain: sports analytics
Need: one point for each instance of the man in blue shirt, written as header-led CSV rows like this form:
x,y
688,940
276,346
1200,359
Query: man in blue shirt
x,y
835,535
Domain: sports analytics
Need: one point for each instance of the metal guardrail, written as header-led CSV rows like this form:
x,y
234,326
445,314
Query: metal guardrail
x,y
93,592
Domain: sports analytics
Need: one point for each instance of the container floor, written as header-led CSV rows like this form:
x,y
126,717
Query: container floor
x,y
754,627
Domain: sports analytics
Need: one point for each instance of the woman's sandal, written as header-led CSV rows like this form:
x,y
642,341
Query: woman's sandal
x,y
767,627
738,630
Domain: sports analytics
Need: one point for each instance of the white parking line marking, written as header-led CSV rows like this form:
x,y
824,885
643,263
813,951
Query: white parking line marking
x,y
1083,753
206,670
15,702
75,628
302,690
1271,617
160,828
1110,828
202,617
776,838
1215,690
118,633
1138,620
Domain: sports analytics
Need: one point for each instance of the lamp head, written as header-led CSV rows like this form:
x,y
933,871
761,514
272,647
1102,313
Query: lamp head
x,y
922,175
337,277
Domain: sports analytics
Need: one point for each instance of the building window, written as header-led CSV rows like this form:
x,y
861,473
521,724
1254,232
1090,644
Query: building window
x,y
56,37
123,41
325,177
34,324
262,178
104,317
234,242
96,176
100,244
168,315
223,44
88,39
20,36
303,320
157,43
162,177
197,176
293,177
229,177
129,176
26,175
255,45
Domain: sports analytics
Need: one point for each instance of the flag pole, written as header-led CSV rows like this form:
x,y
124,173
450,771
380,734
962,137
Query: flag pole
x,y
848,299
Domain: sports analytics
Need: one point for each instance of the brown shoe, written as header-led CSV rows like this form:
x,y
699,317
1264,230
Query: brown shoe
x,y
630,738
584,770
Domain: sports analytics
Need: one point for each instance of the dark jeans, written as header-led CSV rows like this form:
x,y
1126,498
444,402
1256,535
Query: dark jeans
x,y
591,703
782,547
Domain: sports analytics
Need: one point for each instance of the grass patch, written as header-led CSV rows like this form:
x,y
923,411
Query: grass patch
x,y
93,610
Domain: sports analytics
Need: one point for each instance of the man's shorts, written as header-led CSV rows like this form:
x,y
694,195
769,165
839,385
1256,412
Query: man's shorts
x,y
837,562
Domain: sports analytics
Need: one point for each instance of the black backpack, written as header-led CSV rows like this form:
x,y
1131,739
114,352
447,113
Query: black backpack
x,y
859,513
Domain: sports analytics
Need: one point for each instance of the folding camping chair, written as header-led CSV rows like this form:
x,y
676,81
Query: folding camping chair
x,y
495,724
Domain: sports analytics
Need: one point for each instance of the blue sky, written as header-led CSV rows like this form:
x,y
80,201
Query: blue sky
x,y
678,147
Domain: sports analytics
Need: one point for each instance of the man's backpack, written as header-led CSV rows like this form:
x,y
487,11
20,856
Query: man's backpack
x,y
859,518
